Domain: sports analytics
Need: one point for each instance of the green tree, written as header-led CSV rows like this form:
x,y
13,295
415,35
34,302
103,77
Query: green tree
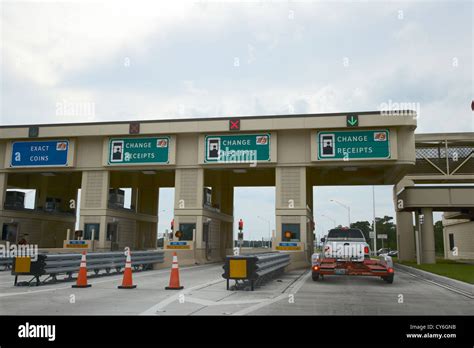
x,y
439,241
386,226
364,226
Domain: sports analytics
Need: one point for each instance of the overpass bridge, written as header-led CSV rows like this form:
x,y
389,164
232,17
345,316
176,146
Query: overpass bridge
x,y
445,159
203,159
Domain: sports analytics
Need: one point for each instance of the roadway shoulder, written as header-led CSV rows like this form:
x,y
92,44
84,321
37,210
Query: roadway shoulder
x,y
457,284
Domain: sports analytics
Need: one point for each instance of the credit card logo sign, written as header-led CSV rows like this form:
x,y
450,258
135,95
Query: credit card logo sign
x,y
262,140
380,136
162,143
61,146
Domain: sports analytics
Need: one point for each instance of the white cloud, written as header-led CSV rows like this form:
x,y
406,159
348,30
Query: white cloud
x,y
181,57
44,41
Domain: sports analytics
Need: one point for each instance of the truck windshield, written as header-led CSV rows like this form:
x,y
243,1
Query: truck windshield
x,y
345,233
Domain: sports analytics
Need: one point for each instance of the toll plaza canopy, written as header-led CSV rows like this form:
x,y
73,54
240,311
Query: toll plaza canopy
x,y
203,159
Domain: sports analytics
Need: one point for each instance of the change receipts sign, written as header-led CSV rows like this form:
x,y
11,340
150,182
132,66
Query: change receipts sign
x,y
152,150
240,148
357,144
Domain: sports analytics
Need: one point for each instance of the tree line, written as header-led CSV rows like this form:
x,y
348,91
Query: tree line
x,y
386,226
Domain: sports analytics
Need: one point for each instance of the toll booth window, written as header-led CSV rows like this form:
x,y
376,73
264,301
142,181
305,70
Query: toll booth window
x,y
88,231
187,231
290,232
9,232
112,232
451,241
205,232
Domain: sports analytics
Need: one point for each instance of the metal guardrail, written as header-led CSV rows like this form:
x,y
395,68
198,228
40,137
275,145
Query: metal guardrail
x,y
52,265
254,268
5,263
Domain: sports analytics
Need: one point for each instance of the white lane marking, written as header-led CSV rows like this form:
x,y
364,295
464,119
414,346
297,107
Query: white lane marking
x,y
295,287
220,303
147,274
162,304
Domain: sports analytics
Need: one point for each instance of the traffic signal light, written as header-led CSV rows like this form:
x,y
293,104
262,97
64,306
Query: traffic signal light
x,y
422,219
172,225
241,225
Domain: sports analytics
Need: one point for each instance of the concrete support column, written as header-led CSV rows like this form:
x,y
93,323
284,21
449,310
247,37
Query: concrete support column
x,y
188,205
310,218
291,209
405,232
94,200
405,236
226,204
3,189
427,237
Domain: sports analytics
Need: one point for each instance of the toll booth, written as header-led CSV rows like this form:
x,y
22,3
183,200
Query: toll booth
x,y
105,216
203,217
203,159
294,214
44,214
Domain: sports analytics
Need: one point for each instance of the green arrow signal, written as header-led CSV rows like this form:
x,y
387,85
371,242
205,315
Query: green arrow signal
x,y
352,121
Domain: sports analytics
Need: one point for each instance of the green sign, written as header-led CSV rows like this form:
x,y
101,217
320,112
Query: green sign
x,y
154,150
357,144
242,148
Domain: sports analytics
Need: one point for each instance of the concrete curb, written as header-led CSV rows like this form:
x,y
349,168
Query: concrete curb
x,y
453,283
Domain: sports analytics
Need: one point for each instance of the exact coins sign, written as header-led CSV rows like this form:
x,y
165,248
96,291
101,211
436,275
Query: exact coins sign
x,y
242,148
357,144
47,153
153,150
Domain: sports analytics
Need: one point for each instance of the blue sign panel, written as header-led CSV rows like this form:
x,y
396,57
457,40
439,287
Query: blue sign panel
x,y
288,244
77,242
39,153
177,243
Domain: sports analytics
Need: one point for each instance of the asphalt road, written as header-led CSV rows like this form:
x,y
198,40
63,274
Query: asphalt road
x,y
293,293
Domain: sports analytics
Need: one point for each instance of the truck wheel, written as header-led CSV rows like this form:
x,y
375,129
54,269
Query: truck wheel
x,y
315,276
389,279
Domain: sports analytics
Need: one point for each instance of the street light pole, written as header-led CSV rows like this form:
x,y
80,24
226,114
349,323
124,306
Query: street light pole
x,y
327,217
375,225
158,224
348,210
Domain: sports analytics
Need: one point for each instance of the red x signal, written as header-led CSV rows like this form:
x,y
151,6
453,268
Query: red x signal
x,y
134,128
234,124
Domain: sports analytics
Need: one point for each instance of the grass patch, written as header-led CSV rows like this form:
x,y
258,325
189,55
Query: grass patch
x,y
448,268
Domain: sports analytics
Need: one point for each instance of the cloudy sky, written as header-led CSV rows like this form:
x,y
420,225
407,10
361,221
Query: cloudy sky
x,y
69,61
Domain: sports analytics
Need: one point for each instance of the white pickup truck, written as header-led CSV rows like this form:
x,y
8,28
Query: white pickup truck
x,y
345,252
346,245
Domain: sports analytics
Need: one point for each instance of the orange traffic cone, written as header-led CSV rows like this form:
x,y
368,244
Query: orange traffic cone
x,y
82,276
174,277
127,282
